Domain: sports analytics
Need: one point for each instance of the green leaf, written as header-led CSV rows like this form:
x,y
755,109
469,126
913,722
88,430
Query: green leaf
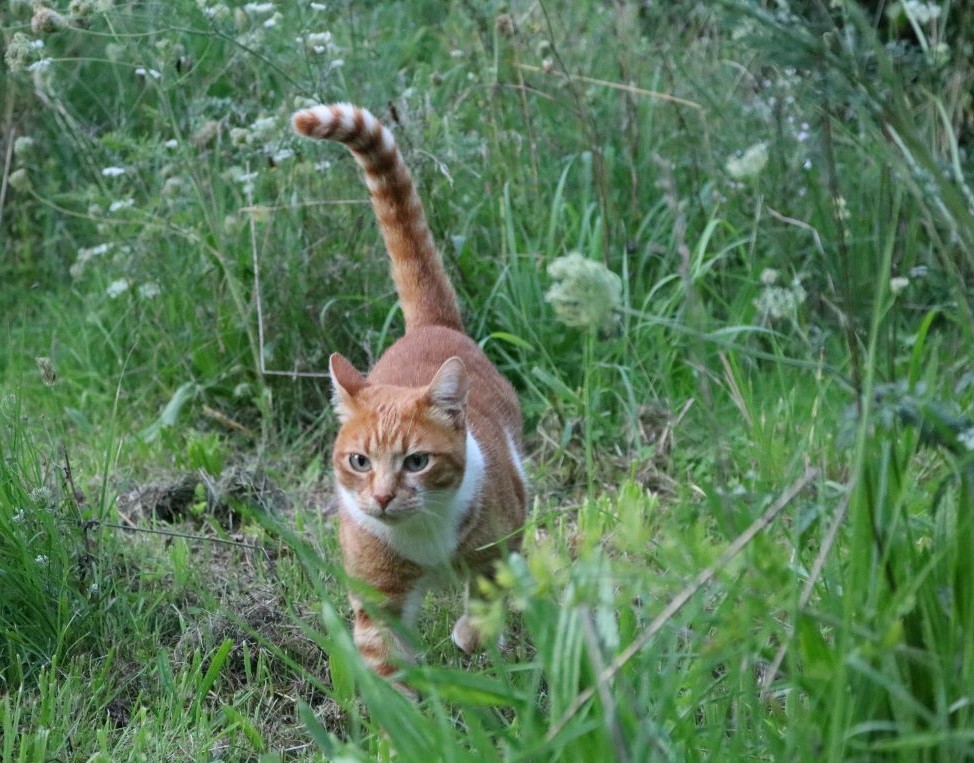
x,y
463,687
170,413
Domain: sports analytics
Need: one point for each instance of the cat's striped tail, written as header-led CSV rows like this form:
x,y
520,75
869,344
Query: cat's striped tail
x,y
425,292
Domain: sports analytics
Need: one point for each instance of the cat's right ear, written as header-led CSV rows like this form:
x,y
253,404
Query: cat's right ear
x,y
346,383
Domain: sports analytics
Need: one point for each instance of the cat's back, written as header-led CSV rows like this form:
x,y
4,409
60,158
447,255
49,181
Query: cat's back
x,y
412,361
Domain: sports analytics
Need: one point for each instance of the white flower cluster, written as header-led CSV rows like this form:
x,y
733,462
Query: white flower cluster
x,y
115,206
776,302
898,284
921,13
585,294
85,256
748,164
117,288
147,290
318,43
22,51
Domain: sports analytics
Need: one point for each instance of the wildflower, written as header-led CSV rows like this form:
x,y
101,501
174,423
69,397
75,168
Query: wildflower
x,y
20,51
263,129
19,180
966,438
95,250
769,276
112,172
46,367
319,42
232,224
841,208
84,256
921,13
898,284
23,146
115,206
206,134
41,496
803,132
80,10
273,21
144,73
585,292
746,28
282,155
19,516
149,290
117,288
238,175
93,588
939,55
46,21
171,143
778,302
40,560
40,66
259,9
173,186
239,136
218,13
319,7
749,164
505,25
300,102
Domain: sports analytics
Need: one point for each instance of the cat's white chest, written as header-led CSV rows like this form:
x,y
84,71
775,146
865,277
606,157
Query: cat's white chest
x,y
430,538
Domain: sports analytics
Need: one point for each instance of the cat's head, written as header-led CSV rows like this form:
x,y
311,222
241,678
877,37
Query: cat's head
x,y
399,449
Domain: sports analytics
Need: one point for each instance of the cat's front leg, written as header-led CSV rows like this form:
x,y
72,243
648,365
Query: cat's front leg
x,y
466,635
381,647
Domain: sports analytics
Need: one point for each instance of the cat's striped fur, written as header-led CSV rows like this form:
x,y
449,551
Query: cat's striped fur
x,y
427,459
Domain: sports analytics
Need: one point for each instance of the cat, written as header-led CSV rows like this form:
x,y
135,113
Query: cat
x,y
427,460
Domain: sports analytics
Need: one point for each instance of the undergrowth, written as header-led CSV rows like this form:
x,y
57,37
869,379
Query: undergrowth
x,y
723,251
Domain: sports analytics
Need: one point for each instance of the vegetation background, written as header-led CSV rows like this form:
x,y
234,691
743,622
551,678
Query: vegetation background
x,y
723,250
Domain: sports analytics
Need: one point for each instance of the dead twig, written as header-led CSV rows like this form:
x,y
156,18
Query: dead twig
x,y
615,86
806,593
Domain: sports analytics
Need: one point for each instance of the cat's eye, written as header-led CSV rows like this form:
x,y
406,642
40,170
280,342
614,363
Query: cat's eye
x,y
416,462
359,462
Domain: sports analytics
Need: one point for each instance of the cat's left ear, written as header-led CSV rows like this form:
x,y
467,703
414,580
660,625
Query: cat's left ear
x,y
448,391
346,383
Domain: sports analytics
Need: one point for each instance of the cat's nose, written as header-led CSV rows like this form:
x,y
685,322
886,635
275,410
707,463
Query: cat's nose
x,y
383,500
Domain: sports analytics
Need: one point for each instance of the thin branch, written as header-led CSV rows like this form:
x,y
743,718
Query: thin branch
x,y
615,86
186,536
817,566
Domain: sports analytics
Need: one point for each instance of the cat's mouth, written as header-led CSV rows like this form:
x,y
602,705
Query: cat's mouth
x,y
393,515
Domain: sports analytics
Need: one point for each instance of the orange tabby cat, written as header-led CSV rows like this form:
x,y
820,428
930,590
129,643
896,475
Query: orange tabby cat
x,y
427,459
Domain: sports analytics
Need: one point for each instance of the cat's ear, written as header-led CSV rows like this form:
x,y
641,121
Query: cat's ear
x,y
447,393
346,383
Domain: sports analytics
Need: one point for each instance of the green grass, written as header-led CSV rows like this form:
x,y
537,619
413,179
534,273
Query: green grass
x,y
752,522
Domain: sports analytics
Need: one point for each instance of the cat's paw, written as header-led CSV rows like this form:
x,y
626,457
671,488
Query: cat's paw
x,y
465,635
